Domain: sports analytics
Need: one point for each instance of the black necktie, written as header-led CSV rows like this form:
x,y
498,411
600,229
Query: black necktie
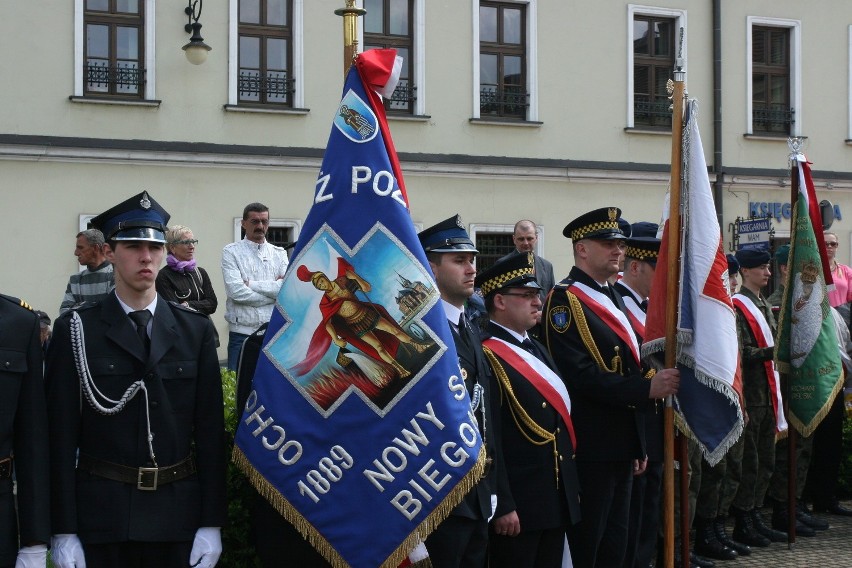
x,y
465,332
644,305
528,345
141,319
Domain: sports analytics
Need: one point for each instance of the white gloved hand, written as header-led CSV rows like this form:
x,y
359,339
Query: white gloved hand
x,y
206,548
67,551
32,557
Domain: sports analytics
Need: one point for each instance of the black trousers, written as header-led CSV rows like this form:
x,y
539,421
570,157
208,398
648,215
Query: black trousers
x,y
138,554
644,516
530,549
827,453
277,542
458,542
600,538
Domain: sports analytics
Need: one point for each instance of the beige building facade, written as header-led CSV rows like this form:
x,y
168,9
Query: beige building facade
x,y
574,119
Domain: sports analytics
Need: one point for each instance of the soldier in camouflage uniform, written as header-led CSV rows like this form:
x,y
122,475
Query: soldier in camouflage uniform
x,y
756,327
719,484
806,524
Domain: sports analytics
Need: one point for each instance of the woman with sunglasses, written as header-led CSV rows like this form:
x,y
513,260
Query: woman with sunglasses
x,y
181,281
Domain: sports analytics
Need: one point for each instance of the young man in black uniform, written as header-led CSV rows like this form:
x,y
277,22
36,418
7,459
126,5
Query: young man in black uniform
x,y
542,497
134,387
23,439
462,538
597,353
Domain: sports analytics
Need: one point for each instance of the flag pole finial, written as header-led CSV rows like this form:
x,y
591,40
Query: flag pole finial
x,y
350,32
796,145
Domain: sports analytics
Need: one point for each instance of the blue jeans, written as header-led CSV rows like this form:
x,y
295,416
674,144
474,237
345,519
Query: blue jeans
x,y
235,345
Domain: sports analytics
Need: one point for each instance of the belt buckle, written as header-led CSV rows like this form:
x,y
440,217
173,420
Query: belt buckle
x,y
147,479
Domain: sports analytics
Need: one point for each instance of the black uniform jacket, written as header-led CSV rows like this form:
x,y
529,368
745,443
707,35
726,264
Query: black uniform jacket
x,y
607,401
654,411
542,501
23,431
184,393
477,503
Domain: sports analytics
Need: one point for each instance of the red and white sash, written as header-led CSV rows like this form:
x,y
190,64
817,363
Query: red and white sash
x,y
540,376
613,317
763,334
635,315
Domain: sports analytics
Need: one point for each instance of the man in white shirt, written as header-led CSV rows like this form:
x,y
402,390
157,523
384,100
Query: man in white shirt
x,y
253,270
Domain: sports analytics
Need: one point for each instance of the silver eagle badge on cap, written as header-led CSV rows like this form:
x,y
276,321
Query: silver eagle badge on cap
x,y
145,203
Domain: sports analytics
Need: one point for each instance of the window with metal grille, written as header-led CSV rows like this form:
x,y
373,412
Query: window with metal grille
x,y
770,79
113,64
653,64
503,61
265,52
389,24
492,247
279,234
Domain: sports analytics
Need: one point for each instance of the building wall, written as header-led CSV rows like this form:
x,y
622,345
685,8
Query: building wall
x,y
61,159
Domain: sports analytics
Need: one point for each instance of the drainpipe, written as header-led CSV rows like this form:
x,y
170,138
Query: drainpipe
x,y
718,184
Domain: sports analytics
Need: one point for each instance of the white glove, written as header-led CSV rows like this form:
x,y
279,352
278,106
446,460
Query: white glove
x,y
206,548
32,557
67,551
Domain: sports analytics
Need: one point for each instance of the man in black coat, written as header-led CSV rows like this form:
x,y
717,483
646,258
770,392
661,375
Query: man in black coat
x,y
541,497
640,264
134,387
462,538
23,439
597,353
525,237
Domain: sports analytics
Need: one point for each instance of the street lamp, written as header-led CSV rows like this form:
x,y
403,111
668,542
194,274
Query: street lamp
x,y
196,50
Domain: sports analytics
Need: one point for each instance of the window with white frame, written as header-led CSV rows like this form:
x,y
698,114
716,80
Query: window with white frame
x,y
653,45
114,49
773,46
265,54
282,232
505,60
390,24
849,90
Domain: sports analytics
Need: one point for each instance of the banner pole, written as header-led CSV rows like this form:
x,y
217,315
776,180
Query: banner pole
x,y
350,32
673,281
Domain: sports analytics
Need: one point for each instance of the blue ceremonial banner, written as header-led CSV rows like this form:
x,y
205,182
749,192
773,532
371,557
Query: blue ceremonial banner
x,y
358,427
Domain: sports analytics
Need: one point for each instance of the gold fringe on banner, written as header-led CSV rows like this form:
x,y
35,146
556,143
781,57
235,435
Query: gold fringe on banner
x,y
313,536
808,429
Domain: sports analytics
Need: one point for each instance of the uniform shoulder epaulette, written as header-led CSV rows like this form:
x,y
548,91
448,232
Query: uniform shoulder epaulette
x,y
81,307
564,284
185,308
17,301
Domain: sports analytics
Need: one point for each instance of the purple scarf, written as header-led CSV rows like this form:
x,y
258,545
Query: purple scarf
x,y
180,265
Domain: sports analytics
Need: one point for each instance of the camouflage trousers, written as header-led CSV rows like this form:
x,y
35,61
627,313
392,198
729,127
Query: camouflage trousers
x,y
758,462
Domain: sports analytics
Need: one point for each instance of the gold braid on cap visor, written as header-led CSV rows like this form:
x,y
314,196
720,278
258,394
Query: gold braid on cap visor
x,y
583,232
639,253
497,282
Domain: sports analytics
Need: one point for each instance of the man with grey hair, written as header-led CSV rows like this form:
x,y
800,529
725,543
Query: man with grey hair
x,y
94,282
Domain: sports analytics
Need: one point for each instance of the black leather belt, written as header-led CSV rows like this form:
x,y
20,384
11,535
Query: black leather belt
x,y
145,478
6,468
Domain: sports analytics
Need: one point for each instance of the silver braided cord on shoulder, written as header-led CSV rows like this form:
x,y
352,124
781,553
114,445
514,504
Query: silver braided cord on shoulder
x,y
90,389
